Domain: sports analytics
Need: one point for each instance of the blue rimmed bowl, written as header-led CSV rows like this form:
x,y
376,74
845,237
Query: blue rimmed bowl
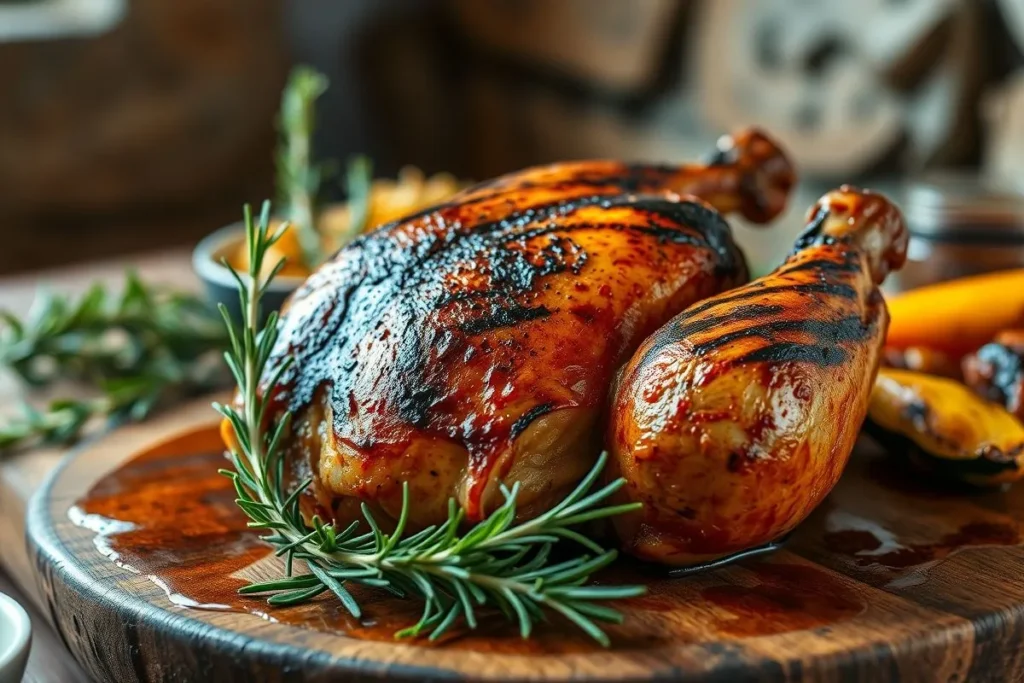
x,y
220,286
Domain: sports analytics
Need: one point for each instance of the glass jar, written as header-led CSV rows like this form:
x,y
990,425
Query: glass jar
x,y
959,225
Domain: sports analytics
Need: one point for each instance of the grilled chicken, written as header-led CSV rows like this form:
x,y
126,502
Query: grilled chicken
x,y
735,419
475,343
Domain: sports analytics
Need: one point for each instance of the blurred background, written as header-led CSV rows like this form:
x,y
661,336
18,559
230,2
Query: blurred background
x,y
133,124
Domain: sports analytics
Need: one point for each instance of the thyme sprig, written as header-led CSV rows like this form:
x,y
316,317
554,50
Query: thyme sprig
x,y
455,572
133,350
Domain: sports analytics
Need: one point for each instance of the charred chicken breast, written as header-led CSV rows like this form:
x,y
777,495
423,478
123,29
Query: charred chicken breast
x,y
734,420
475,343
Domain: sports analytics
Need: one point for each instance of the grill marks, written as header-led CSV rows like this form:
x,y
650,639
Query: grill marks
x,y
829,332
812,234
793,352
707,222
759,290
504,316
506,261
777,317
506,254
688,327
832,271
527,418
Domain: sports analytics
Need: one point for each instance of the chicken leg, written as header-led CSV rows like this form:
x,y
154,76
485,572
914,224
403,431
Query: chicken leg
x,y
735,419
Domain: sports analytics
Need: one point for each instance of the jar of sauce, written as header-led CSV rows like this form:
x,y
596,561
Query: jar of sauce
x,y
959,225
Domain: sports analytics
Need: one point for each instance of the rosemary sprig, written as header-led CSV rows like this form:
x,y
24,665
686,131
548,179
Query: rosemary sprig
x,y
496,563
298,177
136,350
61,422
358,186
103,336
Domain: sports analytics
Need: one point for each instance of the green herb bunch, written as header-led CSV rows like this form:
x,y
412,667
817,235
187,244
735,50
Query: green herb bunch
x,y
456,573
135,349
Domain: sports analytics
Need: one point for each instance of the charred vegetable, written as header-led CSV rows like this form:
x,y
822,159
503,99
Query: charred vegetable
x,y
945,427
996,371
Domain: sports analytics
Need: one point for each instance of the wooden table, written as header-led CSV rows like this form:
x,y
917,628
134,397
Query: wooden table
x,y
21,474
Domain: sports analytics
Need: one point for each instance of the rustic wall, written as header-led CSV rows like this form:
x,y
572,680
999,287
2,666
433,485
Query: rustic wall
x,y
169,113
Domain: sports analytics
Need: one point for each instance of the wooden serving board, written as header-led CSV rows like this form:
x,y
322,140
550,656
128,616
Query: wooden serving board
x,y
893,578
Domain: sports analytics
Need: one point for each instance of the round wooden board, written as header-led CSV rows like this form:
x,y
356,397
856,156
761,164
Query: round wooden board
x,y
892,578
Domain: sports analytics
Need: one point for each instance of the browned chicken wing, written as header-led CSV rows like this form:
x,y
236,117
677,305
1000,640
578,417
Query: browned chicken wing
x,y
475,343
735,419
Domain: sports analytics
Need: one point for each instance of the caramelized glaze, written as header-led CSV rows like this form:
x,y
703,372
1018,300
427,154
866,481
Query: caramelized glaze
x,y
891,527
167,514
783,598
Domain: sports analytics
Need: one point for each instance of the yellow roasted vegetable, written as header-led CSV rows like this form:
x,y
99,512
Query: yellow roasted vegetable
x,y
957,316
388,200
922,359
944,426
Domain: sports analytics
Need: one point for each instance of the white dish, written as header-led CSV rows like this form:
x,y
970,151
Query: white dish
x,y
15,637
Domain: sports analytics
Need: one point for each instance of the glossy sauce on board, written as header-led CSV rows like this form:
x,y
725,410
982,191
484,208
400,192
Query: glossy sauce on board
x,y
168,515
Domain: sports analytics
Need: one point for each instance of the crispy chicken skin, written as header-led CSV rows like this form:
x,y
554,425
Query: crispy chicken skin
x,y
735,419
475,343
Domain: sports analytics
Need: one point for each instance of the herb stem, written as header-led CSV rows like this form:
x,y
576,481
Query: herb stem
x,y
298,177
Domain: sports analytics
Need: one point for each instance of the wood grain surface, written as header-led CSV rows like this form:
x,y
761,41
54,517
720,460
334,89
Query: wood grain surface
x,y
893,578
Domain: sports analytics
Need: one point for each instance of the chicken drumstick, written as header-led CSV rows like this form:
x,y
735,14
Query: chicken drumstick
x,y
734,420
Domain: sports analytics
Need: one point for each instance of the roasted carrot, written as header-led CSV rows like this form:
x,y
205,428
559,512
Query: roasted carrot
x,y
957,316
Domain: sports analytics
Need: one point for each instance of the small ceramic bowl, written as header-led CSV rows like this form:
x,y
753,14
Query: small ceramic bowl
x,y
15,638
218,283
